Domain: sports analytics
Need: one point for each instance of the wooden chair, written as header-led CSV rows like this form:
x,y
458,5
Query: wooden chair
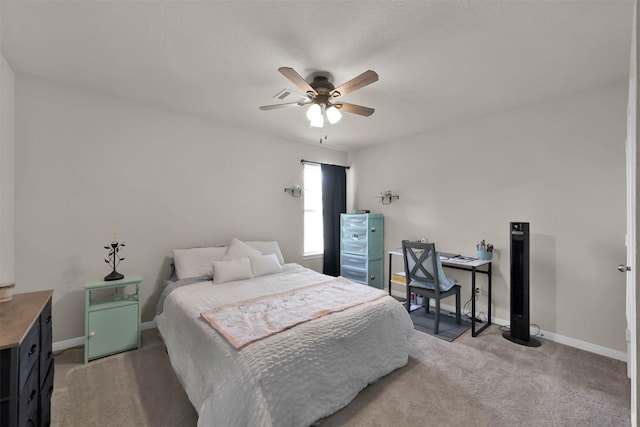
x,y
425,277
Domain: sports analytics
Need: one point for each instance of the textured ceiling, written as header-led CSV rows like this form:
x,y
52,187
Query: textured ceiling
x,y
439,62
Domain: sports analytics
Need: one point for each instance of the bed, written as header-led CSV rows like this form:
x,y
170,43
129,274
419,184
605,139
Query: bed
x,y
291,378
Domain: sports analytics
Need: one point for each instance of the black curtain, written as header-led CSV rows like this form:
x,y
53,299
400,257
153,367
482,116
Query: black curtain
x,y
334,202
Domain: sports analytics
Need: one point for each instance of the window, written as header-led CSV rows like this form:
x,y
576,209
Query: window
x,y
313,230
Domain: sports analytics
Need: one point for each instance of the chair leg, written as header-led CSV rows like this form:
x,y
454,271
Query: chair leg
x,y
458,308
408,303
437,323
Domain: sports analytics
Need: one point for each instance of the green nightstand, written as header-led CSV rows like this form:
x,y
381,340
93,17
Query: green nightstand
x,y
112,317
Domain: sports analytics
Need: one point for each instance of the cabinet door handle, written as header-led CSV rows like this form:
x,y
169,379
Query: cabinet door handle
x,y
91,334
373,278
48,320
373,229
354,236
33,349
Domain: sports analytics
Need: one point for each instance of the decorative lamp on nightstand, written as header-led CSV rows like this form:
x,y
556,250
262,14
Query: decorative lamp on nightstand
x,y
114,258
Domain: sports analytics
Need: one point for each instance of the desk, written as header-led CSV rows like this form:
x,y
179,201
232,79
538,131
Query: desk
x,y
474,266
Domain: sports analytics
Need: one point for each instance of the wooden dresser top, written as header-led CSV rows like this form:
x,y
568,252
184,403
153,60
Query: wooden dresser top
x,y
18,315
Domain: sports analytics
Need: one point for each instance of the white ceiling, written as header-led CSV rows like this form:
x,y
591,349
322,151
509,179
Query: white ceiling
x,y
439,62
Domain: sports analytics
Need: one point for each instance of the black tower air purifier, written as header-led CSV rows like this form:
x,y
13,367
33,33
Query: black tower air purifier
x,y
519,333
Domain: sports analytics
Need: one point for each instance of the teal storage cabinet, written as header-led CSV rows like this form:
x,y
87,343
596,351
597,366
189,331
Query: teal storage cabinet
x,y
112,317
362,248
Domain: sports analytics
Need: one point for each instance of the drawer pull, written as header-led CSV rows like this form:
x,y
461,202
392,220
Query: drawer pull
x,y
33,349
354,236
32,396
92,333
373,278
373,229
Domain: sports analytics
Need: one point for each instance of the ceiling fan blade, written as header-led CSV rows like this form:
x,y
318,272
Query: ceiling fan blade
x,y
273,107
356,83
355,109
297,79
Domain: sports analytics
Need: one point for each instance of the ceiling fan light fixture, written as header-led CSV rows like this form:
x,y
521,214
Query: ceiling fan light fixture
x,y
314,112
333,115
317,121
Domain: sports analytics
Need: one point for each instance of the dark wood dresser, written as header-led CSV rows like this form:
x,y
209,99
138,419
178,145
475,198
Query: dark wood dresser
x,y
26,360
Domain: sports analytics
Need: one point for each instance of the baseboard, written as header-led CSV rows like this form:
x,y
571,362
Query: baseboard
x,y
79,341
551,336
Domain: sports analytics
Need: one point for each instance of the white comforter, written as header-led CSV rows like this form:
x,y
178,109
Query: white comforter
x,y
292,378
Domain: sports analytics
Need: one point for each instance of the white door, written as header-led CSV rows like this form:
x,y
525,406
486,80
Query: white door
x,y
630,241
633,323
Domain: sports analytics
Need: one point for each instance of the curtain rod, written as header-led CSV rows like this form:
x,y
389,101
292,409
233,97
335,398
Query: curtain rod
x,y
318,163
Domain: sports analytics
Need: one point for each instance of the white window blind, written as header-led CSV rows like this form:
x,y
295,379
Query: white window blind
x,y
313,230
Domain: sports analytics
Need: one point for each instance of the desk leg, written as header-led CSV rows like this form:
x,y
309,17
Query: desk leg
x,y
475,333
473,302
489,294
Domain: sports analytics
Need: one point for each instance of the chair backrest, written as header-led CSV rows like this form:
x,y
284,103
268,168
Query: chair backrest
x,y
420,263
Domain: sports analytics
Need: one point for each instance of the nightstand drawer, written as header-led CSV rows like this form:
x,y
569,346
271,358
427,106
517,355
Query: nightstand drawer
x,y
112,330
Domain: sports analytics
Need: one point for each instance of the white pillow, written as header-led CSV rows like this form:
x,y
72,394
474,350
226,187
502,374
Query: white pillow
x,y
265,248
239,249
265,264
196,262
230,270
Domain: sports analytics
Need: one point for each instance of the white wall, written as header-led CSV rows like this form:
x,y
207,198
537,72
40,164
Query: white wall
x,y
88,165
558,165
7,157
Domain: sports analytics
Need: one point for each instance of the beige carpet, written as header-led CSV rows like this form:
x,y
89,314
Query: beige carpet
x,y
483,381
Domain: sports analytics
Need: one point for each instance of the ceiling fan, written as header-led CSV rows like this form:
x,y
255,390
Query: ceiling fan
x,y
320,94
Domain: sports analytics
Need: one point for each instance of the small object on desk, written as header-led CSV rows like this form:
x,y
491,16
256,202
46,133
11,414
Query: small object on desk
x,y
446,255
461,258
484,250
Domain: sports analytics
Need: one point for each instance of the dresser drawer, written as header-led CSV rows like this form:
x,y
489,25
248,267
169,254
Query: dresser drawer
x,y
359,276
46,338
354,247
354,262
29,353
354,221
354,234
28,402
45,398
